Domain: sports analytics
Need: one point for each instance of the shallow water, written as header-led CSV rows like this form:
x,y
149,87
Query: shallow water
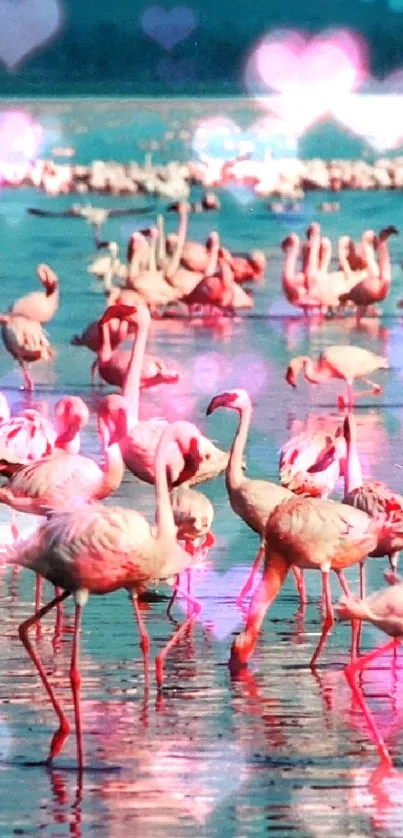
x,y
278,751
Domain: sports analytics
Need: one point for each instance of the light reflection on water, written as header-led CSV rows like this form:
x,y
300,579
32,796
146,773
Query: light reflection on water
x,y
276,751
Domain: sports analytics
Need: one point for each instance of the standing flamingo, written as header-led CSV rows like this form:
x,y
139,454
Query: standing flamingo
x,y
140,443
25,340
253,500
374,498
310,533
96,549
376,285
384,609
345,362
40,305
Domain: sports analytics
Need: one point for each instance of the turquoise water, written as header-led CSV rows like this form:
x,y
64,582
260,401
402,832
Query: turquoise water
x,y
278,752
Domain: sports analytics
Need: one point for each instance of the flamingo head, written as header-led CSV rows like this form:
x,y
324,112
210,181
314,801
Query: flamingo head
x,y
293,370
170,243
234,399
258,261
5,412
289,242
313,231
349,429
112,419
48,278
132,314
72,414
388,231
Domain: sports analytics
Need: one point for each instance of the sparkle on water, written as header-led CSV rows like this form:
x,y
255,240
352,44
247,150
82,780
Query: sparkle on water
x,y
277,750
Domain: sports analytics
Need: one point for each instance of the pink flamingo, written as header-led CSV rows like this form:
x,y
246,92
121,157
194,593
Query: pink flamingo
x,y
344,362
294,282
375,286
26,341
313,534
53,481
112,366
374,498
384,609
253,500
140,443
302,466
96,549
219,291
38,305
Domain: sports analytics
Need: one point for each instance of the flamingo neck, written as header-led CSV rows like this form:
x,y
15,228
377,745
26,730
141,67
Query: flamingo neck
x,y
131,385
105,350
134,266
180,243
164,518
227,276
161,248
113,467
275,572
290,264
152,256
69,439
312,372
212,261
110,273
384,265
234,473
353,473
313,259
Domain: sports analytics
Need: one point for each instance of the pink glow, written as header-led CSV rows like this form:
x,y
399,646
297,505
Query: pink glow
x,y
217,593
20,138
210,371
378,119
306,75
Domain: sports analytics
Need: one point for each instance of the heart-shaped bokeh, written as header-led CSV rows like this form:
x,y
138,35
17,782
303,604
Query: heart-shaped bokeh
x,y
378,119
307,74
168,28
25,26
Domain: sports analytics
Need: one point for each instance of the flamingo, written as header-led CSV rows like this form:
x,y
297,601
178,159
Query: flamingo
x,y
40,306
374,498
374,287
112,367
310,533
26,341
53,481
151,283
383,609
294,282
96,549
139,444
219,290
345,362
253,500
302,467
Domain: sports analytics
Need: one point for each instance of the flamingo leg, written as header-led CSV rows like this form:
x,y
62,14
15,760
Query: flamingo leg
x,y
300,584
350,673
75,679
94,368
14,529
355,624
393,561
159,660
63,731
251,578
28,381
144,638
173,597
329,618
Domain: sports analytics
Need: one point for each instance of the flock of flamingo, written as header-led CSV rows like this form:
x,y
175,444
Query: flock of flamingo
x,y
84,547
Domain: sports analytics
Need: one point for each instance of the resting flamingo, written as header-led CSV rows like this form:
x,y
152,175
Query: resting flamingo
x,y
344,362
139,444
26,341
96,549
112,366
40,305
313,534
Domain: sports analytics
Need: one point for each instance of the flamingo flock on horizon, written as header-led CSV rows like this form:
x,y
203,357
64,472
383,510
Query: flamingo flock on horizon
x,y
83,547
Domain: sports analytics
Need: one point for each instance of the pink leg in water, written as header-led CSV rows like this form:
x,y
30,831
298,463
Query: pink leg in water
x,y
63,731
144,638
350,673
251,578
75,681
14,529
159,660
173,597
329,618
28,381
300,584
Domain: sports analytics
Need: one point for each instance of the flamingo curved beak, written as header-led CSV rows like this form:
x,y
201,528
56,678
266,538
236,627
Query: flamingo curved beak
x,y
290,376
222,400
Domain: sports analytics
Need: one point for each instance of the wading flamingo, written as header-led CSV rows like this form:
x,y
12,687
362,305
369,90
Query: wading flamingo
x,y
40,305
140,443
344,362
26,341
96,549
375,286
253,500
374,498
112,366
384,609
313,534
